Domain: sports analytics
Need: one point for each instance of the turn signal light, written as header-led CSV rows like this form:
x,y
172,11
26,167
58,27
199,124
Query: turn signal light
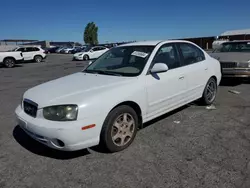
x,y
88,127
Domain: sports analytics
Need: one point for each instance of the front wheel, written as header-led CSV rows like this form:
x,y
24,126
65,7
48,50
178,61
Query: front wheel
x,y
119,129
85,57
209,93
9,62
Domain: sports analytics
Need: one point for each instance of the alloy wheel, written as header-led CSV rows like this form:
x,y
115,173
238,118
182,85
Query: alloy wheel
x,y
211,91
123,129
9,63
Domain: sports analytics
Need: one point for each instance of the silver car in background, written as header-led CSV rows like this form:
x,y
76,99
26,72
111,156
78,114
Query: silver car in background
x,y
234,57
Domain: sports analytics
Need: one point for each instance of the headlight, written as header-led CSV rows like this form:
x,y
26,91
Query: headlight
x,y
79,54
61,113
244,65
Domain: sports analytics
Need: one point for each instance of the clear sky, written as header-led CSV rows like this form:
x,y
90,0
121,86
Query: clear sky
x,y
121,20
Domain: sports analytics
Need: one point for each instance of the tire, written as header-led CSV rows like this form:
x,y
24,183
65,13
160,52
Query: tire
x,y
209,93
9,62
38,58
117,138
85,57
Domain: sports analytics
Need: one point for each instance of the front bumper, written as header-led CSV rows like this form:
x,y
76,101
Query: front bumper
x,y
236,72
50,132
78,58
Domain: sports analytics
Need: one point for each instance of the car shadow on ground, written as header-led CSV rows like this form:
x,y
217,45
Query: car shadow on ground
x,y
101,149
37,148
16,66
151,122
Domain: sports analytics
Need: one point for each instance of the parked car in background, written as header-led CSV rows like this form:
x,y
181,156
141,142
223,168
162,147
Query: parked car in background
x,y
78,49
234,57
53,49
46,50
90,53
67,50
139,82
30,53
60,49
10,59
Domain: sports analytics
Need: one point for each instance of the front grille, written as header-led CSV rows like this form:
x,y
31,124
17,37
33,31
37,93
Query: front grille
x,y
30,107
228,64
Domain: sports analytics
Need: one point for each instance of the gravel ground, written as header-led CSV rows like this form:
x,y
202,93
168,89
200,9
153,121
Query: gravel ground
x,y
190,147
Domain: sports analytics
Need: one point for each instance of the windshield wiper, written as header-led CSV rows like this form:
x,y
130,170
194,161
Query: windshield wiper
x,y
102,72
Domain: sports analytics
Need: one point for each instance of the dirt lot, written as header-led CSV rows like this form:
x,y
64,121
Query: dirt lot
x,y
191,147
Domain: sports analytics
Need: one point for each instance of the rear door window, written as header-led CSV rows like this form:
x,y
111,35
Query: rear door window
x,y
29,49
190,53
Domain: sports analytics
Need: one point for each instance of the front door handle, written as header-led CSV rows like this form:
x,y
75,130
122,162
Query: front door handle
x,y
181,77
206,68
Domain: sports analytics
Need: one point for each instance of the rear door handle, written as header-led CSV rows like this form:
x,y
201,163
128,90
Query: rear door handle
x,y
181,77
206,68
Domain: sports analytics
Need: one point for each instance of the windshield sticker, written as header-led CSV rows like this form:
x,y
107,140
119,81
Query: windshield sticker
x,y
140,54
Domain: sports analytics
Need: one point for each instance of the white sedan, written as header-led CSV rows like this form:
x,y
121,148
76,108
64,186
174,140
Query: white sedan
x,y
90,53
108,101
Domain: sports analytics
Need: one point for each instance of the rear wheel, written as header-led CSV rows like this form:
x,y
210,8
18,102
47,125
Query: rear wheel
x,y
9,62
38,58
209,93
119,129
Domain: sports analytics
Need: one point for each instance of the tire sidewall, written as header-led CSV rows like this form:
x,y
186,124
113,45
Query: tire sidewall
x,y
106,139
206,101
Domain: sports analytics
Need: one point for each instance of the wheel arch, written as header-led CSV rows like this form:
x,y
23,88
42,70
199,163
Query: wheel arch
x,y
214,77
37,55
135,106
87,56
9,57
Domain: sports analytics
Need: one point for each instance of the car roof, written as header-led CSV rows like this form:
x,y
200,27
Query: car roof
x,y
152,43
143,43
28,47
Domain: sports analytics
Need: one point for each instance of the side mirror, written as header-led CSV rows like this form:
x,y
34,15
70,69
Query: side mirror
x,y
159,67
90,51
90,62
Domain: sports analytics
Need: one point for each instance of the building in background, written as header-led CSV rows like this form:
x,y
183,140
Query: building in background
x,y
243,34
203,42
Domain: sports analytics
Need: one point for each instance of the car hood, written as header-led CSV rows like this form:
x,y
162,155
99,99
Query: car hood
x,y
75,88
231,56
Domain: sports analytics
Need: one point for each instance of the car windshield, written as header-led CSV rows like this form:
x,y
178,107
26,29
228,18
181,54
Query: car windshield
x,y
234,47
122,61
